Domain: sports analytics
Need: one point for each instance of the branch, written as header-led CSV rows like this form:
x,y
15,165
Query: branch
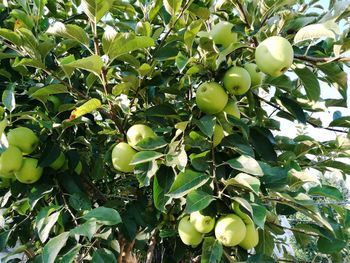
x,y
152,245
241,12
321,60
65,203
295,230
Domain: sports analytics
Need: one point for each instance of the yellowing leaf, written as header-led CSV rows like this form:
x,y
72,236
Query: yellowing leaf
x,y
86,108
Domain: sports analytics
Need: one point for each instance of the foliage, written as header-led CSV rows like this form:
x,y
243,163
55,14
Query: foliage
x,y
78,74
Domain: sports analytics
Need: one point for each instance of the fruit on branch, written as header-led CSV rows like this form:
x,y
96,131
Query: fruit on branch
x,y
232,109
10,161
137,133
143,28
211,98
122,154
255,73
59,162
188,233
230,230
222,34
30,172
23,138
237,80
251,238
202,223
274,56
218,135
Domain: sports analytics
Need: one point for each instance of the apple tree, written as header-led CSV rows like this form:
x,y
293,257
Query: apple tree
x,y
150,131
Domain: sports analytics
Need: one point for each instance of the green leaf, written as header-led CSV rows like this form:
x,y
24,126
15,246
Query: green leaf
x,y
181,61
187,181
266,243
145,171
294,108
8,98
104,215
29,43
341,122
206,124
310,83
23,17
313,31
96,9
71,254
53,247
197,200
92,64
156,6
88,229
297,179
239,144
172,6
259,215
152,143
43,93
262,144
161,185
212,250
145,156
4,236
191,33
45,221
103,255
86,108
69,31
246,164
327,191
330,246
245,181
343,167
260,258
11,36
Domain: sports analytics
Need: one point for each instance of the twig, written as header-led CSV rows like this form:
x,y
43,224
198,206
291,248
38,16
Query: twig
x,y
152,245
65,203
87,251
241,11
295,230
321,60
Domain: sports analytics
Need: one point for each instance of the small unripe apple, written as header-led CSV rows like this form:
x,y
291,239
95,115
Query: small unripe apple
x,y
122,155
230,230
255,73
232,109
202,223
59,162
23,138
10,162
137,133
274,56
222,34
211,98
30,172
237,80
251,238
188,233
218,135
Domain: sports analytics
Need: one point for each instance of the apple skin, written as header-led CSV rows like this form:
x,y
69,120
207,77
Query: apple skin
x,y
232,109
59,162
23,138
218,135
274,56
237,80
10,162
137,133
211,98
256,75
230,230
30,172
122,155
202,223
188,233
222,34
251,238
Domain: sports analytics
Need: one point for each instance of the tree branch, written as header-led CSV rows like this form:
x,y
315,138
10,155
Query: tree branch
x,y
152,245
295,230
321,60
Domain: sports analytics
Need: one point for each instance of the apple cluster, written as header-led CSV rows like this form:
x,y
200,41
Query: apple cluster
x,y
230,230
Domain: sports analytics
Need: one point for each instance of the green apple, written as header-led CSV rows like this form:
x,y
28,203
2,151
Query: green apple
x,y
137,133
237,80
30,172
218,135
222,34
188,233
230,230
23,138
122,154
59,162
251,238
202,223
232,109
211,98
256,75
10,162
274,56
143,28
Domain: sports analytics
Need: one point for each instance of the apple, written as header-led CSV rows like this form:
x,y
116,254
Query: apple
x,y
30,172
232,109
23,138
143,28
274,56
211,98
188,233
59,162
237,80
10,162
256,75
230,230
222,34
137,133
218,135
122,155
202,223
251,238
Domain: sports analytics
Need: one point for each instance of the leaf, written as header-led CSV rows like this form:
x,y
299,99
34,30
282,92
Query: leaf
x,y
104,215
23,17
96,9
341,122
313,31
212,250
245,180
262,144
260,258
145,156
327,246
187,181
294,108
197,200
145,171
310,83
71,254
88,229
11,36
191,33
172,6
246,164
161,185
92,64
53,247
45,221
69,31
327,191
266,243
297,179
152,143
8,98
259,215
43,93
103,255
206,124
4,236
86,108
238,143
181,61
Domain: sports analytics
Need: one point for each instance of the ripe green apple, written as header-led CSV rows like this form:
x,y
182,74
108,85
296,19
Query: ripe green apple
x,y
237,80
137,133
23,138
122,154
230,230
59,162
218,135
232,109
222,34
251,238
274,56
256,75
202,223
211,98
30,172
10,161
188,233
